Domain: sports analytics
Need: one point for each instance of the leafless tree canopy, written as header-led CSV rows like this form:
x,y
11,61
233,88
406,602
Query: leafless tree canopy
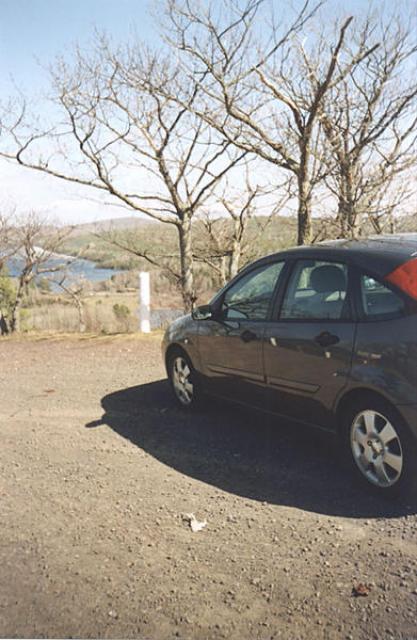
x,y
330,107
369,123
120,136
244,214
254,87
7,244
33,243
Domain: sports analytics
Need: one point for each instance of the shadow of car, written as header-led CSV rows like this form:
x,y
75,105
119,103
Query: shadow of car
x,y
249,455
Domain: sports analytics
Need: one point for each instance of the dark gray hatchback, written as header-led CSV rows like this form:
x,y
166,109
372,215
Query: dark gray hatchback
x,y
325,335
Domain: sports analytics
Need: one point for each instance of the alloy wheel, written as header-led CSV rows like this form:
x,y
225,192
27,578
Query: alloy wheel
x,y
376,448
181,380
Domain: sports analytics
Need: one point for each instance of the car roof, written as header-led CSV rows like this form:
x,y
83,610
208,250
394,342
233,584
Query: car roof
x,y
379,254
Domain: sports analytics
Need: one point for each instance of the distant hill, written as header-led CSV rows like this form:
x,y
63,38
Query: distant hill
x,y
280,234
163,240
130,222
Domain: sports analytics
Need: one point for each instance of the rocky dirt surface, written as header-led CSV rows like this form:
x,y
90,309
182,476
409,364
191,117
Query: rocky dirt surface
x,y
97,471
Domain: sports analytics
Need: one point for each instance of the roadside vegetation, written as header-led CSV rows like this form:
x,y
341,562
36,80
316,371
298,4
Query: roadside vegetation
x,y
42,300
45,298
244,130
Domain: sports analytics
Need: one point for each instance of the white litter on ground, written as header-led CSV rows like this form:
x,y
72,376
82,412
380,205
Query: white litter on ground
x,y
195,524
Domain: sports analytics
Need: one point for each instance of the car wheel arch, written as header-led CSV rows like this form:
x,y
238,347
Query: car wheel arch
x,y
356,395
174,348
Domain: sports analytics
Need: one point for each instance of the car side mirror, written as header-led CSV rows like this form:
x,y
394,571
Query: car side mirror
x,y
203,312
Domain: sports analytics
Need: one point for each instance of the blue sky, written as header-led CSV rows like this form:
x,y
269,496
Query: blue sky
x,y
32,33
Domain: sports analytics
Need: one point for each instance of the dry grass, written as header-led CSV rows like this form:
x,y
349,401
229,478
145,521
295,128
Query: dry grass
x,y
58,316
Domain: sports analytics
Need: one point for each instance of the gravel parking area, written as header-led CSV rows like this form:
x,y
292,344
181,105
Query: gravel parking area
x,y
98,470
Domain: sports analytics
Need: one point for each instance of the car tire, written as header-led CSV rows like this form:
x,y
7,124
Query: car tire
x,y
380,448
184,380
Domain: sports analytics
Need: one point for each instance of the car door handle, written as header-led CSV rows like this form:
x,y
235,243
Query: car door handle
x,y
248,336
326,339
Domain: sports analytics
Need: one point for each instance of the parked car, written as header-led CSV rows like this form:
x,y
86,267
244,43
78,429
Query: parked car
x,y
324,335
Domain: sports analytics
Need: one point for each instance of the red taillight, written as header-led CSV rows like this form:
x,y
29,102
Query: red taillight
x,y
405,278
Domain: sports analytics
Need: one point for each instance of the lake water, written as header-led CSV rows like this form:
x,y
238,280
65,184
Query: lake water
x,y
86,269
78,269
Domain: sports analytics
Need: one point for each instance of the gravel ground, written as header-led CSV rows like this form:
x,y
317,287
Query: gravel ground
x,y
97,471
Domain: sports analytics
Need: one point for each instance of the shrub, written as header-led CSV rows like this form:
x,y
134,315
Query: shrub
x,y
7,298
44,285
122,313
24,320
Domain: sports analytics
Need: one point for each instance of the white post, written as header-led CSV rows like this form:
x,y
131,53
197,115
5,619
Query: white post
x,y
145,301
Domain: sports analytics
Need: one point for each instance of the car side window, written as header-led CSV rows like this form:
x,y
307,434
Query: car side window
x,y
317,290
378,301
249,298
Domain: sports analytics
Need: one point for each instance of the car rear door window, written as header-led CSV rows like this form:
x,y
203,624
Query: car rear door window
x,y
317,290
378,301
249,298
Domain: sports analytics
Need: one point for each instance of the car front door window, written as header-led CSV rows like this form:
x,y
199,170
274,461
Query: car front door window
x,y
250,297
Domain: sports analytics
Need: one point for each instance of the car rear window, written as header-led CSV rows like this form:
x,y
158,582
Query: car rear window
x,y
378,301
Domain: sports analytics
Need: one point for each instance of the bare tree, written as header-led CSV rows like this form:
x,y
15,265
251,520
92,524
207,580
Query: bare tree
x,y
7,249
369,121
75,290
8,245
167,261
35,248
119,136
244,214
255,94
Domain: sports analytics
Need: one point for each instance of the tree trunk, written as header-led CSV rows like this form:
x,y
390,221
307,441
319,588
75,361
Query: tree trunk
x,y
81,315
348,219
236,254
186,258
235,258
15,315
4,327
223,271
392,225
343,217
304,209
15,319
348,216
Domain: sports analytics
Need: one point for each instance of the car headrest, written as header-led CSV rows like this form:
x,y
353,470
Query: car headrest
x,y
327,278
